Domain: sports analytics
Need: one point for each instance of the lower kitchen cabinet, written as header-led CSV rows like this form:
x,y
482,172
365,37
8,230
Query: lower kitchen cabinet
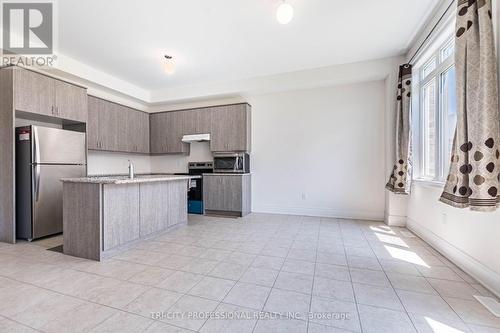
x,y
228,194
101,218
161,206
120,214
154,211
177,203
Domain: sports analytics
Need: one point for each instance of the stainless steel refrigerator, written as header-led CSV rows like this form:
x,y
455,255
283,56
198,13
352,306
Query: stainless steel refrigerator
x,y
43,156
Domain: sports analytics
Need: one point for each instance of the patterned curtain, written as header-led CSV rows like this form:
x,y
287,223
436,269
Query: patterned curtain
x,y
474,172
399,181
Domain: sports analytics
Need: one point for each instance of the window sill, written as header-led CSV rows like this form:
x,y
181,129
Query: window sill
x,y
429,183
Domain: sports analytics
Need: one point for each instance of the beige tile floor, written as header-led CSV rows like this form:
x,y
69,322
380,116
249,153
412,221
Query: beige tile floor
x,y
262,273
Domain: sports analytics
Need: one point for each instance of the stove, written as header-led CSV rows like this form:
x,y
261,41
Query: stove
x,y
195,194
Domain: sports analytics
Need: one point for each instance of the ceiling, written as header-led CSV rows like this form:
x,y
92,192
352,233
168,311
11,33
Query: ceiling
x,y
220,41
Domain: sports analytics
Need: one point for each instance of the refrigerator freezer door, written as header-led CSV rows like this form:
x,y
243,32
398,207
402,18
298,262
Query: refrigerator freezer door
x,y
47,196
56,146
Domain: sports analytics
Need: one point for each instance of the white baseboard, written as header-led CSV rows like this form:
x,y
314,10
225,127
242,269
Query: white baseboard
x,y
319,212
487,277
395,220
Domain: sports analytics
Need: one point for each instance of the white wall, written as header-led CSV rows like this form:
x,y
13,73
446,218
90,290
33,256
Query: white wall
x,y
470,239
104,163
320,152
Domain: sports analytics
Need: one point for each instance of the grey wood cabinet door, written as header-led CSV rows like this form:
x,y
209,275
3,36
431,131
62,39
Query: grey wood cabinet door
x,y
70,101
138,131
143,132
203,121
213,193
94,110
33,92
176,123
158,133
132,129
232,196
197,121
188,120
177,202
120,221
108,127
120,128
154,214
223,193
230,128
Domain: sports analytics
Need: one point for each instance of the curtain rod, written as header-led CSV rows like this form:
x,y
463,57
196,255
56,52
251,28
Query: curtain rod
x,y
431,32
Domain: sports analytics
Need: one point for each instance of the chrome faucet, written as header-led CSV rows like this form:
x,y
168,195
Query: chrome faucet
x,y
130,169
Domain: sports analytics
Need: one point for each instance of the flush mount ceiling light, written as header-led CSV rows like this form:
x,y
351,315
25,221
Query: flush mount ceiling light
x,y
169,65
284,14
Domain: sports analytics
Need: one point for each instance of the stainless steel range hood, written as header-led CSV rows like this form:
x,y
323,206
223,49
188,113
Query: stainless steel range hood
x,y
196,138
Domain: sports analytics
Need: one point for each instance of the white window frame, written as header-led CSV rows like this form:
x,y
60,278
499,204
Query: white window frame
x,y
419,82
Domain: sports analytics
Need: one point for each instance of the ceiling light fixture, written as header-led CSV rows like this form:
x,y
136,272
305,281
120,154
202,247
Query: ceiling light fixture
x,y
169,65
284,14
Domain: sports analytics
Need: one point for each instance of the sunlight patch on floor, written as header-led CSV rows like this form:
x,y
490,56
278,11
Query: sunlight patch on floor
x,y
405,255
383,229
393,240
438,327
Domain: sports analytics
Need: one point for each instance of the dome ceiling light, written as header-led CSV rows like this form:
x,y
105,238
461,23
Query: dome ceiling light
x,y
169,66
284,14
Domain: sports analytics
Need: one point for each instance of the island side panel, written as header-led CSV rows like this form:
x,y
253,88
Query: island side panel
x,y
82,220
121,216
177,202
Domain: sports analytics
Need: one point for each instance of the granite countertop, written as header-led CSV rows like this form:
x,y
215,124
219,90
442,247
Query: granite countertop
x,y
126,180
226,174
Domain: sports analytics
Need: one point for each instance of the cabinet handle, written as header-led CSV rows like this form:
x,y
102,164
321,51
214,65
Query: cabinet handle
x,y
52,109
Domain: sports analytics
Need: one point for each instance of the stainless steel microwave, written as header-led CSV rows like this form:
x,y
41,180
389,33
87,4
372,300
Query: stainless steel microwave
x,y
231,163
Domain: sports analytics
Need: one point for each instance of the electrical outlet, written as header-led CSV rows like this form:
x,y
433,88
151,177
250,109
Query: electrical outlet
x,y
304,197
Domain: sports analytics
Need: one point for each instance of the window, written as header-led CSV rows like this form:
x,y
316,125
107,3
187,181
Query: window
x,y
436,98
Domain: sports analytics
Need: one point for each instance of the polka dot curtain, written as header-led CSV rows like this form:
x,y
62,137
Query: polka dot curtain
x,y
399,181
474,172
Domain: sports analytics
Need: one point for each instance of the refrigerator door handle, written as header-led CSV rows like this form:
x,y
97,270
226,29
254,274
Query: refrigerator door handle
x,y
36,159
37,182
36,146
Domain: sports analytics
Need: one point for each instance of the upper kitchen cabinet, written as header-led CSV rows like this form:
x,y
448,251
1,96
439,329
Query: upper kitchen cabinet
x,y
114,127
158,134
70,101
33,92
231,128
228,125
38,93
197,121
137,124
167,129
94,109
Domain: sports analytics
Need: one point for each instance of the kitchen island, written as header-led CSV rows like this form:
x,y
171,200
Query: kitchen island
x,y
104,215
